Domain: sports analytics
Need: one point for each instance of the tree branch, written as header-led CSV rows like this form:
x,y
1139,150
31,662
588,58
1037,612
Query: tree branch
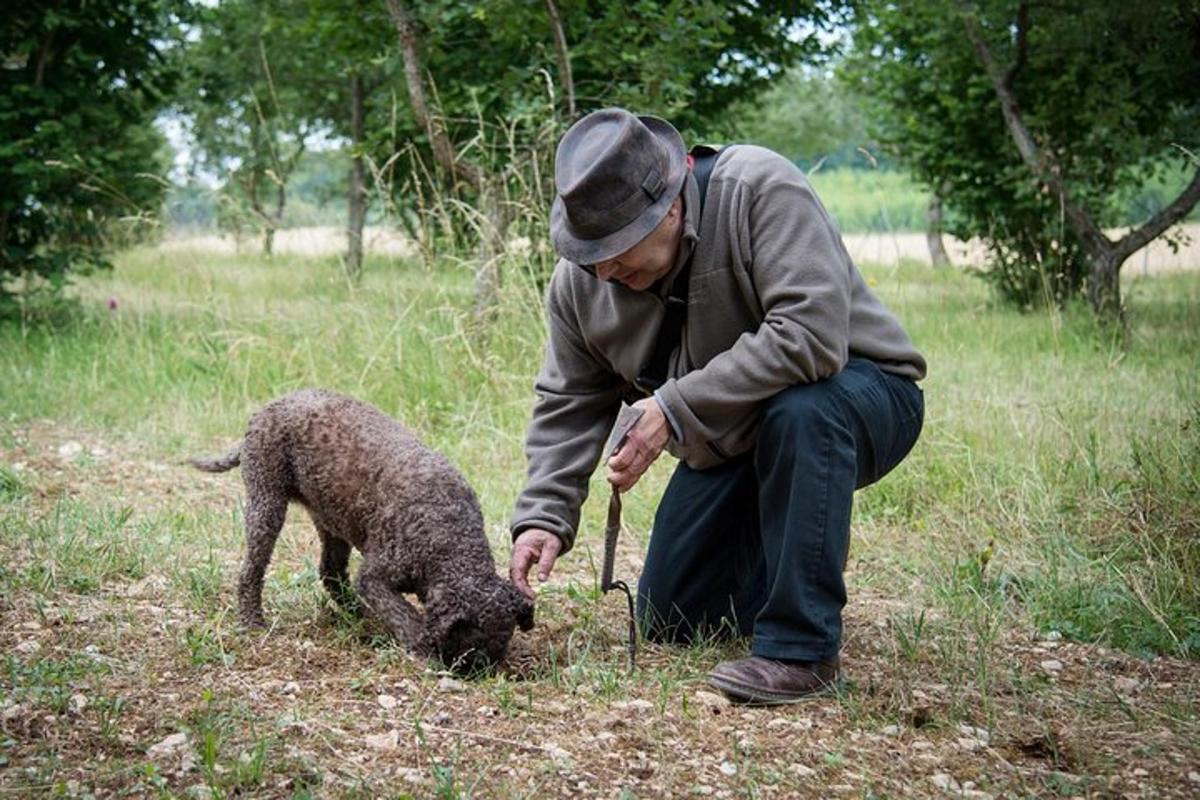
x,y
1041,162
1022,47
564,57
1166,217
443,148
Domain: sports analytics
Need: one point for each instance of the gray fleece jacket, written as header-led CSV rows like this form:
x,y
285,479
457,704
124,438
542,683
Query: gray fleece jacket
x,y
773,300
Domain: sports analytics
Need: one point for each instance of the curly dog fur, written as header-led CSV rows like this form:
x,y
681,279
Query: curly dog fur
x,y
368,483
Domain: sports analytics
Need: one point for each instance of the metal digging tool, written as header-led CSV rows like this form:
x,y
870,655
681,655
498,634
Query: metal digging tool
x,y
626,419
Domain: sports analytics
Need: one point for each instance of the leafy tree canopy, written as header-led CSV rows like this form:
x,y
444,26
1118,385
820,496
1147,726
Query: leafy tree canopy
x,y
1107,88
80,81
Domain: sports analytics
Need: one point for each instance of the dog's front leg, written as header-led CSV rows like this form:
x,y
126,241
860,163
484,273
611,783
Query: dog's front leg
x,y
384,601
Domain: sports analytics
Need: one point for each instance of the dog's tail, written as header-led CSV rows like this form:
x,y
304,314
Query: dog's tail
x,y
220,464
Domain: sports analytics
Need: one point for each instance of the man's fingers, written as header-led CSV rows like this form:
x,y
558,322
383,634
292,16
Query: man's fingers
x,y
522,560
546,561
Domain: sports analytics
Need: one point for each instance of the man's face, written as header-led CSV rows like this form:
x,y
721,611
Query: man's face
x,y
650,259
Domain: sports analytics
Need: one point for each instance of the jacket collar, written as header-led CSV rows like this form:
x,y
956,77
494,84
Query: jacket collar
x,y
688,239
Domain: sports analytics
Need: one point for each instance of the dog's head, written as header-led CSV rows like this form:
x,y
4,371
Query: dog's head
x,y
472,627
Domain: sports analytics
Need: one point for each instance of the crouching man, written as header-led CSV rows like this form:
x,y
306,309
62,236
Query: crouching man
x,y
762,361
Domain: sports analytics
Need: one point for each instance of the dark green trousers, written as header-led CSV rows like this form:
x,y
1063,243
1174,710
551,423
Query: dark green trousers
x,y
757,546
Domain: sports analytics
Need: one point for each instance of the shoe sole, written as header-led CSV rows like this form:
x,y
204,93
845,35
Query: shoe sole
x,y
747,695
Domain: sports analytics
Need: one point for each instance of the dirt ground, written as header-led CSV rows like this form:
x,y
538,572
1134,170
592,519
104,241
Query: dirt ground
x,y
314,708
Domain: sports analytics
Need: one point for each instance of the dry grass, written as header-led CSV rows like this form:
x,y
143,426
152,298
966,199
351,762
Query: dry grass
x,y
883,248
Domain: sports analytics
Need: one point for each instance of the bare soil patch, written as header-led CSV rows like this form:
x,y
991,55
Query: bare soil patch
x,y
142,685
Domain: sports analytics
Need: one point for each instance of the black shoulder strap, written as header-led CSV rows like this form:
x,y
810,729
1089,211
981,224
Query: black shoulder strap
x,y
654,373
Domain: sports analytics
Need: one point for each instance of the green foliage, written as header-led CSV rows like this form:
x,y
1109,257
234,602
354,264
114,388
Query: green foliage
x,y
810,117
47,682
488,68
247,82
1107,87
79,84
871,199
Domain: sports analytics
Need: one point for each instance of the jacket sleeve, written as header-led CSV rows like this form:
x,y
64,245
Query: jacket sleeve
x,y
802,276
578,397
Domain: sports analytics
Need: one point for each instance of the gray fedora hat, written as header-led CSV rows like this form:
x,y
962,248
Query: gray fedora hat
x,y
616,175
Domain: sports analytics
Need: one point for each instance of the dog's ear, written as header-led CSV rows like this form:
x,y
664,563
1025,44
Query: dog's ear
x,y
522,608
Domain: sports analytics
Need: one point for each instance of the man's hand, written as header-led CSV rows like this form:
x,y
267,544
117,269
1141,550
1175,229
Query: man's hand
x,y
644,442
533,546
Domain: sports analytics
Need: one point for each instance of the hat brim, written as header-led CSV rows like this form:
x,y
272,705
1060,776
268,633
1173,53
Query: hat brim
x,y
592,251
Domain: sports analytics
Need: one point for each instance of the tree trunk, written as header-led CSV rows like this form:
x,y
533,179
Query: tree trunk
x,y
933,233
357,200
443,148
492,225
1104,284
564,57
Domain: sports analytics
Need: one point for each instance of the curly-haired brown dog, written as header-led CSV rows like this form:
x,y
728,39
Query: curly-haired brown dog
x,y
367,482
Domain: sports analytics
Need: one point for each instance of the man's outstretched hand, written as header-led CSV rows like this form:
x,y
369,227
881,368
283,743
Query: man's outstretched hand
x,y
533,546
643,444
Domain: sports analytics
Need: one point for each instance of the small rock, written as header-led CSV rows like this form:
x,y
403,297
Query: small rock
x,y
409,775
728,768
969,744
450,686
31,625
712,701
440,718
945,782
557,754
389,740
975,733
28,646
291,687
487,711
638,706
69,450
168,746
779,722
1123,684
1052,665
1140,773
703,789
1194,777
78,703
386,701
891,730
802,771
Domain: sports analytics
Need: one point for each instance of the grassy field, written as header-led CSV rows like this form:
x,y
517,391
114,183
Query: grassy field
x,y
1024,616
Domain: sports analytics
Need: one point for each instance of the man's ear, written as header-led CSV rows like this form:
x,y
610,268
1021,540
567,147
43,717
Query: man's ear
x,y
522,608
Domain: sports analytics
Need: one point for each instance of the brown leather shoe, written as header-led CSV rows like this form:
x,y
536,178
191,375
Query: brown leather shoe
x,y
764,681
